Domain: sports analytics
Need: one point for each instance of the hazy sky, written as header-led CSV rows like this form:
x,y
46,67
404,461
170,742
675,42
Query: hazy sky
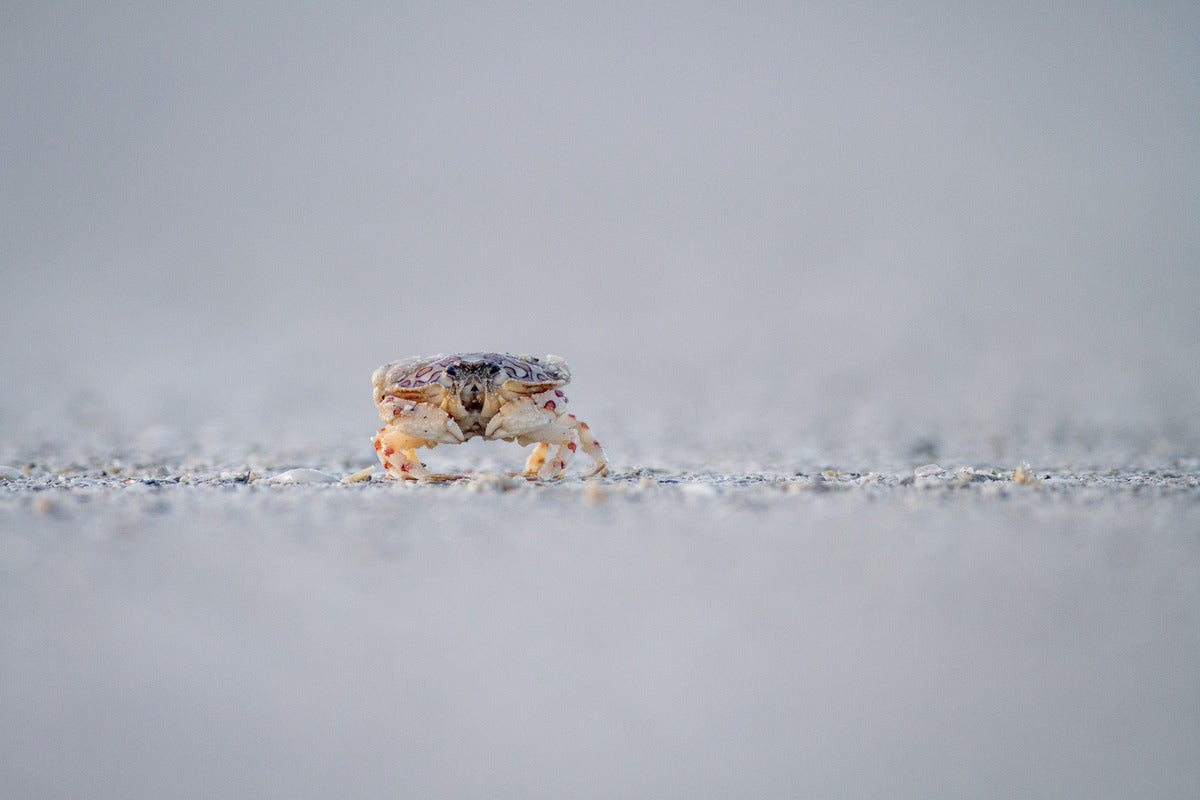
x,y
865,198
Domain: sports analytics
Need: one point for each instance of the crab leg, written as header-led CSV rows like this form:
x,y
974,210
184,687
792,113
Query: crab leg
x,y
397,453
569,434
546,435
536,458
587,442
547,469
555,467
579,436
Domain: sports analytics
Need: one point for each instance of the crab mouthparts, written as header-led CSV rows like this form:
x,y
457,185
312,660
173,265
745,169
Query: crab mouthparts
x,y
472,395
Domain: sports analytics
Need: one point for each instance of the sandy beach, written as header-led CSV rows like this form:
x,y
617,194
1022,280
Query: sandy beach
x,y
182,632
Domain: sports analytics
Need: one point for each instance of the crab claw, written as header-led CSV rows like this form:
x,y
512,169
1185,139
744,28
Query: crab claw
x,y
589,444
518,418
422,421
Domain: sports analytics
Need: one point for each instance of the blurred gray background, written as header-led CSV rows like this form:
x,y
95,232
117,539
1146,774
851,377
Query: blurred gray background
x,y
818,231
767,236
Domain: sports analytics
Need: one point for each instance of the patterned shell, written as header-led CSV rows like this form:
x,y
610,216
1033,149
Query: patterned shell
x,y
421,371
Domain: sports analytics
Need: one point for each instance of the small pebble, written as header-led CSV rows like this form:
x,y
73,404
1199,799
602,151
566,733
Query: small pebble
x,y
303,475
11,474
928,471
1024,475
966,476
360,476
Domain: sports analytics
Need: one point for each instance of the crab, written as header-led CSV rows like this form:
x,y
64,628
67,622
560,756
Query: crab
x,y
425,401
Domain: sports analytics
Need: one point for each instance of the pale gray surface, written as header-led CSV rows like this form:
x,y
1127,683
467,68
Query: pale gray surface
x,y
769,241
677,636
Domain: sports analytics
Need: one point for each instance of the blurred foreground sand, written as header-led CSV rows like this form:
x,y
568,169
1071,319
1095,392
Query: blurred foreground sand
x,y
656,633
